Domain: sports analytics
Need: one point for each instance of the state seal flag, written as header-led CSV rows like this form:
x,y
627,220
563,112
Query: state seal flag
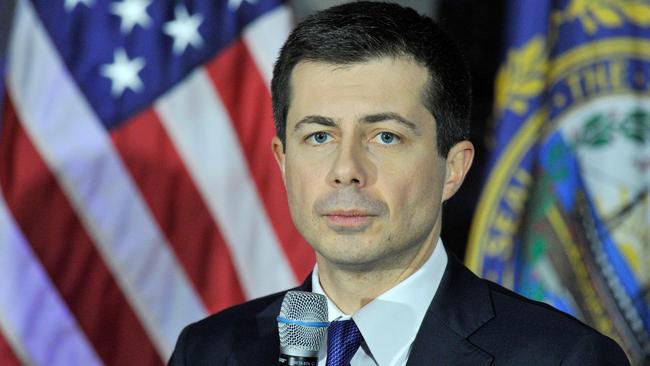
x,y
138,191
565,214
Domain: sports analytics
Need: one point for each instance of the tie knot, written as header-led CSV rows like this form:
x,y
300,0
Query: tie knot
x,y
343,341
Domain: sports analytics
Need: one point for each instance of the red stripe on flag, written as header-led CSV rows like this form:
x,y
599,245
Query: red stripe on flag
x,y
67,253
7,355
180,211
248,101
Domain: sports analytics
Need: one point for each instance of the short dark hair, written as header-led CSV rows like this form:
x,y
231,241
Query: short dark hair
x,y
361,31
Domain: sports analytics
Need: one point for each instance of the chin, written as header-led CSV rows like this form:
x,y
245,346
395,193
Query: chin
x,y
355,259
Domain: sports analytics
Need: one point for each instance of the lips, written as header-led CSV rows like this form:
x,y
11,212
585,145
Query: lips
x,y
348,218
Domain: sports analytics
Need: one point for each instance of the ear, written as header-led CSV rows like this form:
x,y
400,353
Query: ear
x,y
459,160
278,153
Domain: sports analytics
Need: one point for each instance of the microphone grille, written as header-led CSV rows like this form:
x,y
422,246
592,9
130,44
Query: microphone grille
x,y
302,307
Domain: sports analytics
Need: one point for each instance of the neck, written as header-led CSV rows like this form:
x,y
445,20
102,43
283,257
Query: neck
x,y
352,288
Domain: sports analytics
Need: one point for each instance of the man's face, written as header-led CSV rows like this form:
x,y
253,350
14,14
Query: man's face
x,y
361,168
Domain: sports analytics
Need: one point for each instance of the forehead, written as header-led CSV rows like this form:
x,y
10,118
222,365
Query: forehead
x,y
394,84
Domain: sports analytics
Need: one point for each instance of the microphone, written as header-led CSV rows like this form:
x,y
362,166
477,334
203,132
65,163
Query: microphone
x,y
302,325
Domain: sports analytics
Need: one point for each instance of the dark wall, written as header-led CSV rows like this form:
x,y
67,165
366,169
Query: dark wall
x,y
477,27
6,14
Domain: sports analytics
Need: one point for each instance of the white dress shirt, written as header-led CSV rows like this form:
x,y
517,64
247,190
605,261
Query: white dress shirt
x,y
390,322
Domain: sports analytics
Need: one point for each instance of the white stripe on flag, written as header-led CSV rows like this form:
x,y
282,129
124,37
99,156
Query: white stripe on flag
x,y
265,36
32,315
79,152
210,148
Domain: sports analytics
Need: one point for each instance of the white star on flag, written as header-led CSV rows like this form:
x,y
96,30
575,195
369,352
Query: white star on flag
x,y
123,72
184,29
71,4
235,4
132,12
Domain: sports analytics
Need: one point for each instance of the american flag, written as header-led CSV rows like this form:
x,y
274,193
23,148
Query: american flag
x,y
138,188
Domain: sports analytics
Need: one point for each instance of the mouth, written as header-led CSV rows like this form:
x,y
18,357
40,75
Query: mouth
x,y
349,219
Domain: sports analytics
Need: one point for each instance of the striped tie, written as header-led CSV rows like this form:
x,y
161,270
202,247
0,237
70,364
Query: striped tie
x,y
343,340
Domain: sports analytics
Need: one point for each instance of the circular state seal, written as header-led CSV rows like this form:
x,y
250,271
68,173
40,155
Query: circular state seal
x,y
565,215
600,108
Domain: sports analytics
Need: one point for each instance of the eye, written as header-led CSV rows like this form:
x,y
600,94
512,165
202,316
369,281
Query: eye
x,y
318,138
387,138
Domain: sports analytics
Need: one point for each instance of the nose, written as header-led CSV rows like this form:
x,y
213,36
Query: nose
x,y
350,166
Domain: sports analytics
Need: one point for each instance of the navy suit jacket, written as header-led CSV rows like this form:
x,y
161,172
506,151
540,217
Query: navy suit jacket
x,y
470,321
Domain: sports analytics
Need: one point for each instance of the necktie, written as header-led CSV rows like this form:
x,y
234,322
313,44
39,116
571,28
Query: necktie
x,y
343,340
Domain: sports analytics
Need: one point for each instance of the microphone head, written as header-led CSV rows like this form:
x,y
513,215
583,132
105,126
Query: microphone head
x,y
302,323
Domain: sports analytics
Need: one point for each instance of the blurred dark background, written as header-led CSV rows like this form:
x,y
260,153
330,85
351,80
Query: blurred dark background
x,y
477,27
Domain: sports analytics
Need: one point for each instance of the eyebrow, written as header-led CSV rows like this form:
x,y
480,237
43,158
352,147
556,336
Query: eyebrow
x,y
388,116
319,120
370,118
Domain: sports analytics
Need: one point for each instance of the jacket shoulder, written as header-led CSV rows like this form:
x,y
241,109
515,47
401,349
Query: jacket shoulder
x,y
234,314
525,328
509,304
211,340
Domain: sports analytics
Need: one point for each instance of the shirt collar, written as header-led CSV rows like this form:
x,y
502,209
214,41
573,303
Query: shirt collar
x,y
390,322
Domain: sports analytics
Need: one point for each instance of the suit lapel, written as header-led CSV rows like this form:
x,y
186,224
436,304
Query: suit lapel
x,y
461,305
264,348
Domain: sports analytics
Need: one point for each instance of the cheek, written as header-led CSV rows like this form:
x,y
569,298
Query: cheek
x,y
414,191
303,180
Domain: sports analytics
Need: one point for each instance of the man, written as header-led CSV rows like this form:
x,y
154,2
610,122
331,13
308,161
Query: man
x,y
371,103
